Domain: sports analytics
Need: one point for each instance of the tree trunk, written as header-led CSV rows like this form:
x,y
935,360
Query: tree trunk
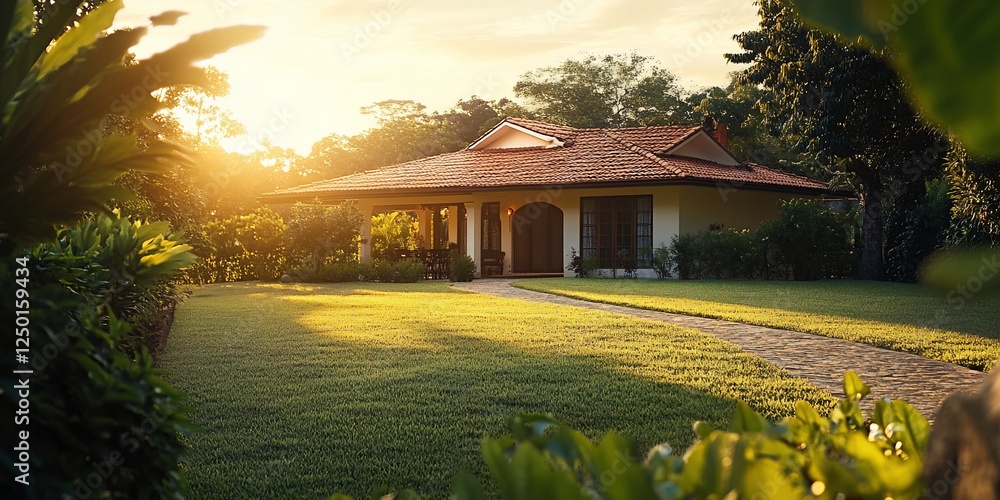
x,y
871,265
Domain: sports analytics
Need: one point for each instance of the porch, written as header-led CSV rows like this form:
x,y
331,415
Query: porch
x,y
507,242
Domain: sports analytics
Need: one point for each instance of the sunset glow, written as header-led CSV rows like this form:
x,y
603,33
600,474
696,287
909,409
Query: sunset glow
x,y
323,60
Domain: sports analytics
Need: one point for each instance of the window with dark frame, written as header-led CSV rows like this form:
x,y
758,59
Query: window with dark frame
x,y
609,224
491,226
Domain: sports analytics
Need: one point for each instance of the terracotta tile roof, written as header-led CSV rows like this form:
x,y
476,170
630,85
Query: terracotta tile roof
x,y
591,157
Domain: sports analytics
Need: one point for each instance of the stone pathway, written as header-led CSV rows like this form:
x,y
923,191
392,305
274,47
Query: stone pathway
x,y
821,360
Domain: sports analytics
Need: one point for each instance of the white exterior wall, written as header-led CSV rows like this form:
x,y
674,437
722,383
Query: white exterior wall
x,y
702,207
703,146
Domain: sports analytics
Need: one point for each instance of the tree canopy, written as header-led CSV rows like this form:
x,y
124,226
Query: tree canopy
x,y
846,106
621,90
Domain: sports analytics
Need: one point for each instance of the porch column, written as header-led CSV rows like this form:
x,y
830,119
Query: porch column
x,y
424,221
473,235
366,231
453,223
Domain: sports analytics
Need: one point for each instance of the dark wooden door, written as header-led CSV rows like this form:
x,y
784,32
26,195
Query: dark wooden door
x,y
538,239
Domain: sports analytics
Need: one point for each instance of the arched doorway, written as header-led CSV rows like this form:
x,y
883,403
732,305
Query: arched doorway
x,y
538,239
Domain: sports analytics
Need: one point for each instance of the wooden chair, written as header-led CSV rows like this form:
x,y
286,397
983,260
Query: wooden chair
x,y
492,260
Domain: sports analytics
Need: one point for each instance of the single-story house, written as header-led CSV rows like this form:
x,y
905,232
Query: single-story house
x,y
536,191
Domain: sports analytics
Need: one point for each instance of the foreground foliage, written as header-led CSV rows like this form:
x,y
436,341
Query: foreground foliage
x,y
341,387
842,455
894,316
126,267
112,426
102,424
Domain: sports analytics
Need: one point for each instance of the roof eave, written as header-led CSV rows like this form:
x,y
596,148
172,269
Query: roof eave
x,y
282,198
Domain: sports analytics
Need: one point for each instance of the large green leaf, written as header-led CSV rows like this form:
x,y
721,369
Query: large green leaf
x,y
948,51
854,388
80,36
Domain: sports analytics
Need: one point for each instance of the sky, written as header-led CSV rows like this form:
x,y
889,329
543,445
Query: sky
x,y
321,61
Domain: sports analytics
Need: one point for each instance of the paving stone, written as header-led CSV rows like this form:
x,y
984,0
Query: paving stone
x,y
821,360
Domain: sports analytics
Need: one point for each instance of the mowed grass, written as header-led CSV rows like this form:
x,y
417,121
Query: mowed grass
x,y
894,316
302,391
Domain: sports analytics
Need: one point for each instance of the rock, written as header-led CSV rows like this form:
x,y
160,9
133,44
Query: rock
x,y
963,454
286,278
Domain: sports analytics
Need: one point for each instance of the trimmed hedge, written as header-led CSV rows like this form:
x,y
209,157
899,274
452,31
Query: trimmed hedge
x,y
378,270
807,241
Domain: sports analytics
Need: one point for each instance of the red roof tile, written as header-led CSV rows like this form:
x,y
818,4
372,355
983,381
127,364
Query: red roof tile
x,y
590,157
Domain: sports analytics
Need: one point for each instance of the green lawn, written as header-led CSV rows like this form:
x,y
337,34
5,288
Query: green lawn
x,y
301,391
890,315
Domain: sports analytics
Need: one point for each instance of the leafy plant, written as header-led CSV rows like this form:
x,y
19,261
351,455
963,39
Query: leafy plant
x,y
102,424
811,239
629,267
112,426
392,231
243,247
462,269
119,266
56,90
582,268
324,232
663,262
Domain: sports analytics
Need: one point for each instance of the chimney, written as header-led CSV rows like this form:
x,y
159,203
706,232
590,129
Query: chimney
x,y
721,134
718,130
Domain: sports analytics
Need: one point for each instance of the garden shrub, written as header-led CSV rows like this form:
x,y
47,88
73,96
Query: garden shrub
x,y
463,268
242,247
811,239
725,253
807,241
121,267
915,228
378,270
684,250
582,268
107,284
662,261
403,271
974,188
628,264
324,233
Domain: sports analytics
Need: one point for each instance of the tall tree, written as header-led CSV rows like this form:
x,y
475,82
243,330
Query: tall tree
x,y
846,106
613,91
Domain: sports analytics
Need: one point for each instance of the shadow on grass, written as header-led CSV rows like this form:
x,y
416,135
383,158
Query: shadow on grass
x,y
302,396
